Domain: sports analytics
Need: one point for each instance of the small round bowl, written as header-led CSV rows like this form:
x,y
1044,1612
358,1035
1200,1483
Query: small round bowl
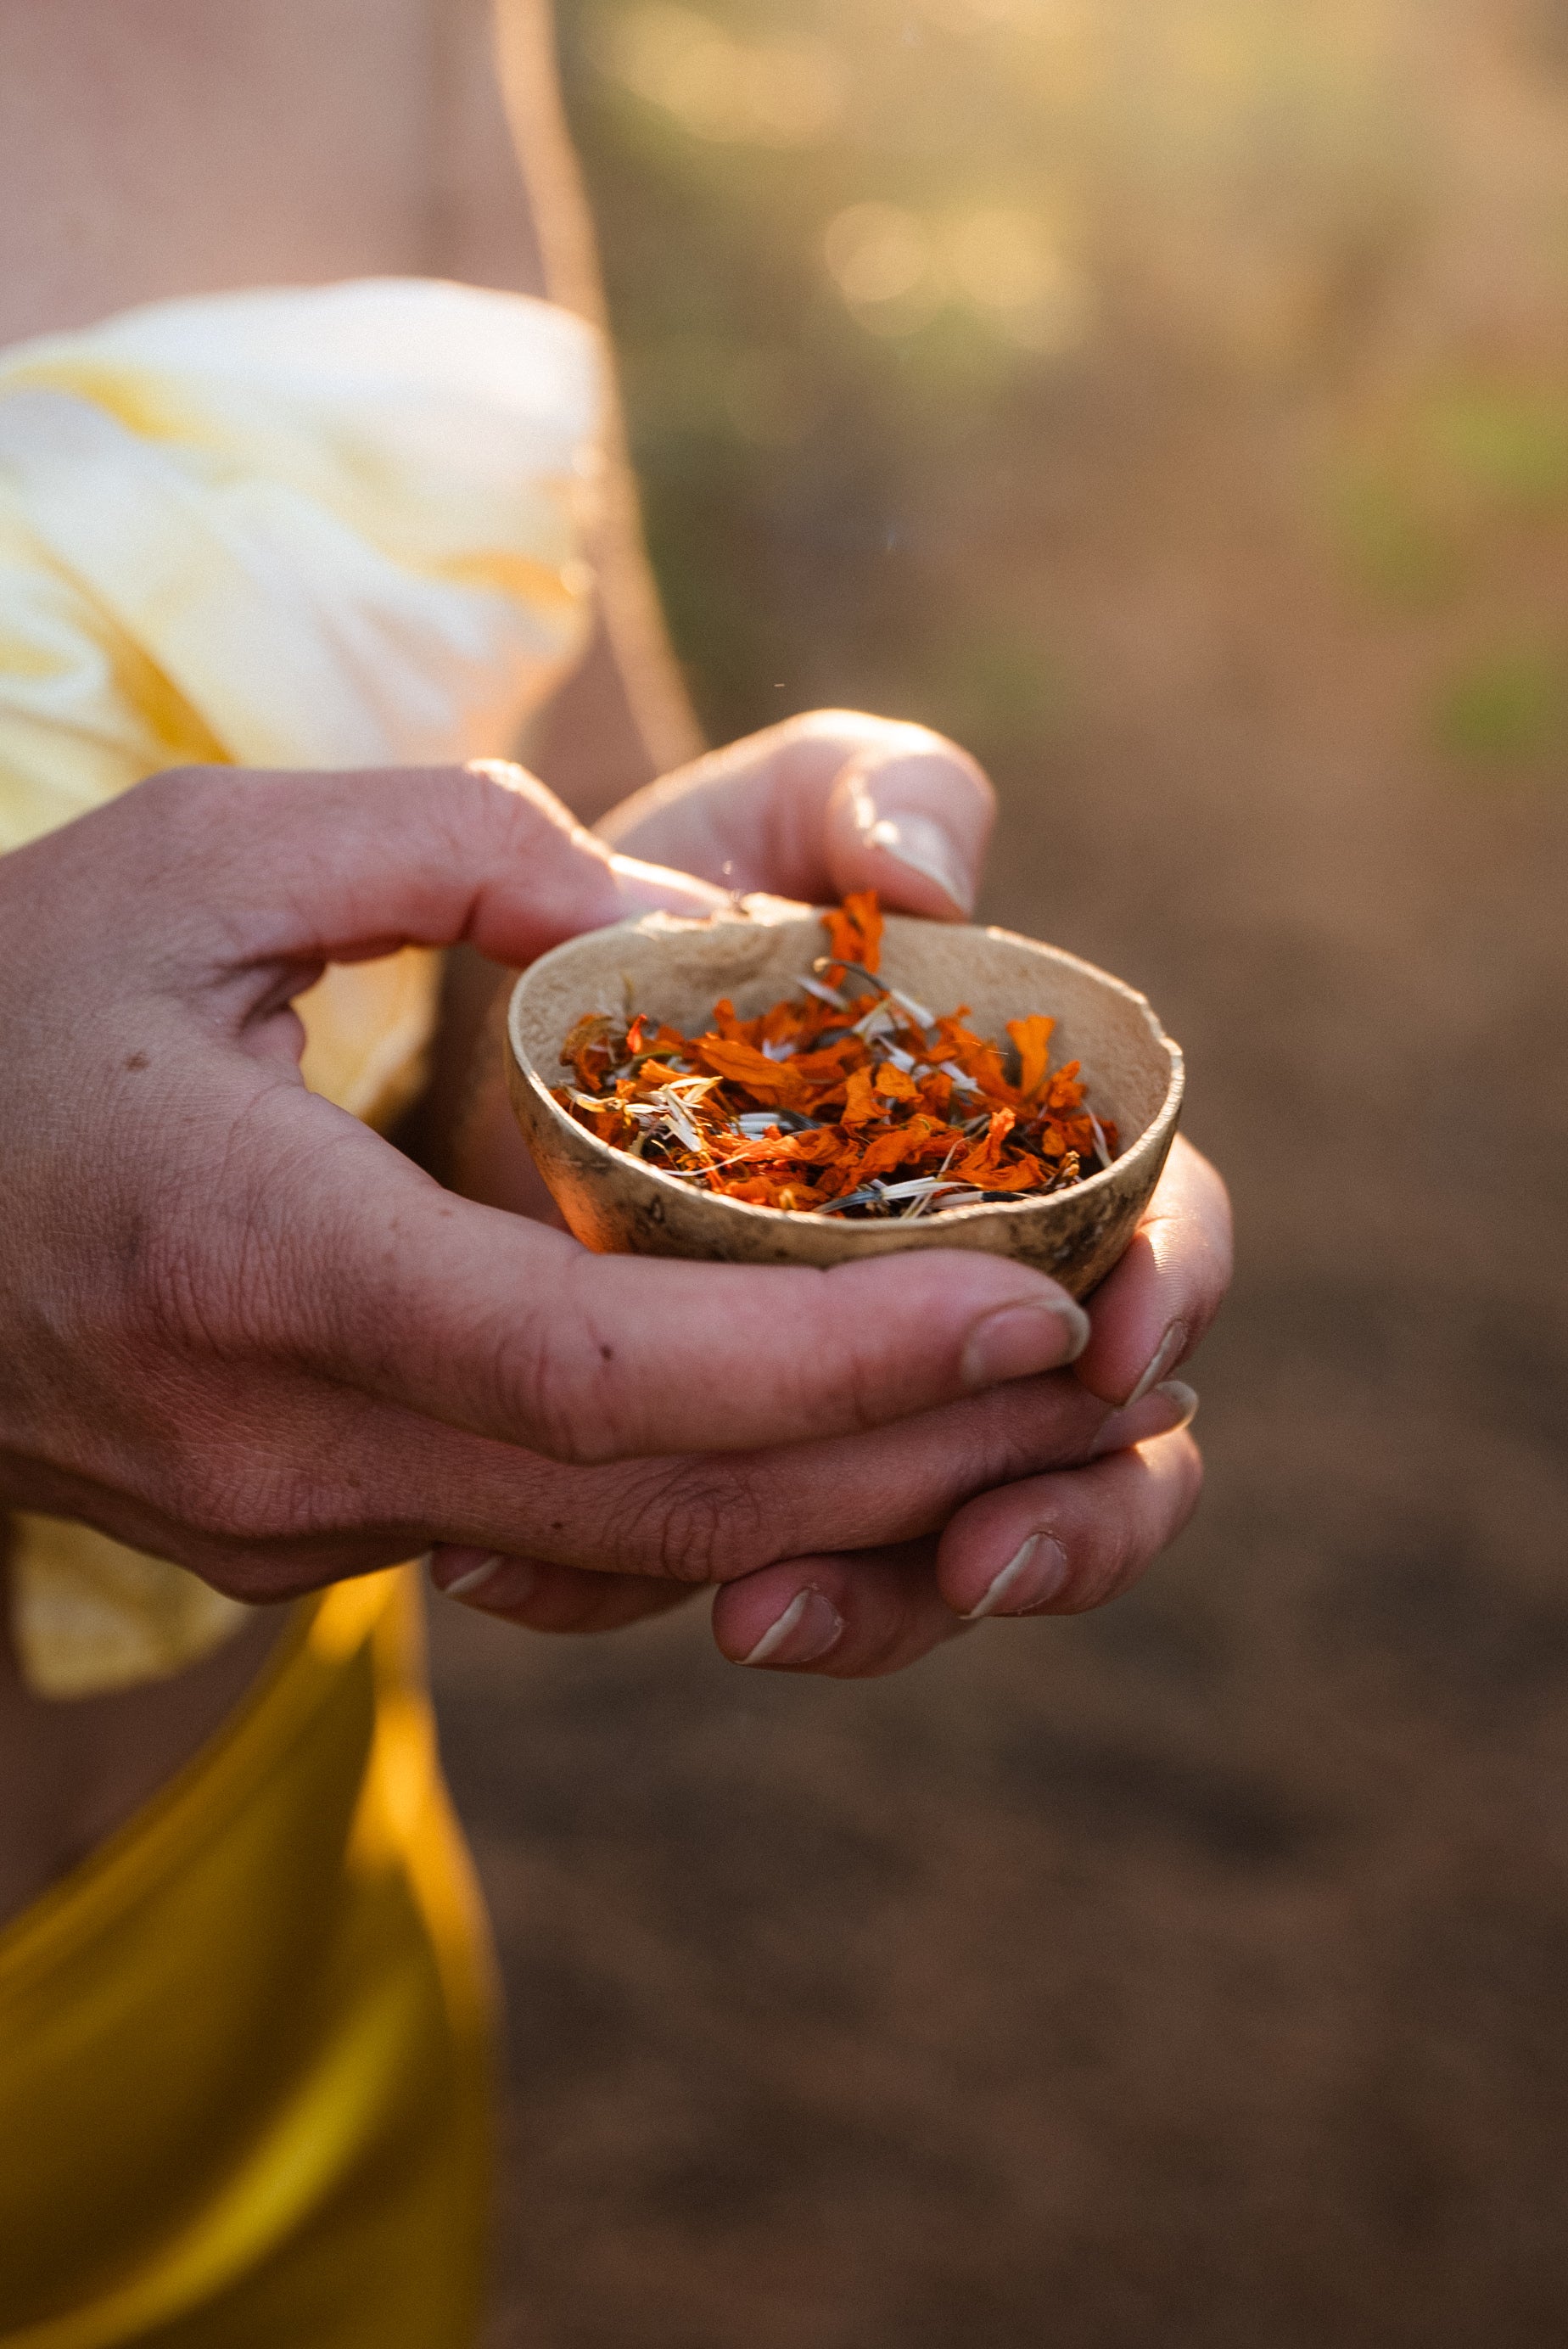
x,y
676,970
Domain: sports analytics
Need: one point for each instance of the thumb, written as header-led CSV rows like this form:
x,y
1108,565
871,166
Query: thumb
x,y
822,805
307,869
910,816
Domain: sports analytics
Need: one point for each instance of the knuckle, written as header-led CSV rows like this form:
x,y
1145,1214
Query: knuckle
x,y
853,1397
690,1538
1030,1427
699,1522
1054,1422
211,1264
176,806
552,1402
171,787
497,802
562,1379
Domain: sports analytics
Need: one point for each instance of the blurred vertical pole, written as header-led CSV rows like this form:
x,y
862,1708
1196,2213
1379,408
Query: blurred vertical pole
x,y
636,642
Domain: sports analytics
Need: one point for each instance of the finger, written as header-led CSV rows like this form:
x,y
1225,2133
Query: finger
x,y
1062,1544
852,1615
1150,1314
540,1597
900,1483
385,1484
491,1323
318,868
709,1517
820,805
713,1518
846,1617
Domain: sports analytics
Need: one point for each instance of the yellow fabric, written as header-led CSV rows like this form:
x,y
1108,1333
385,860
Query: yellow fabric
x,y
91,1614
332,527
242,2048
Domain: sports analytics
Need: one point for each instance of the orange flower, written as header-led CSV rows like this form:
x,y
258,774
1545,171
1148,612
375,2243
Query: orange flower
x,y
936,1095
894,1083
980,1061
855,930
981,1164
586,1050
806,1122
862,1104
895,1148
1021,1175
1033,1038
774,1084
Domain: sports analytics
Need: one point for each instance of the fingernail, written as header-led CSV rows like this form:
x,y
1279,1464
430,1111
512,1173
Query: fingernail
x,y
1031,1578
475,1579
1015,1342
1164,1411
1183,1401
454,1568
808,1627
504,1582
917,841
1169,1351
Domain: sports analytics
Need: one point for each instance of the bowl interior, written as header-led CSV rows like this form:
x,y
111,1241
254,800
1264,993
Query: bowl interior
x,y
677,969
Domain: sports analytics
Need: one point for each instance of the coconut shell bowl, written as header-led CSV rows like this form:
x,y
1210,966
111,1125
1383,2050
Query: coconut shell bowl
x,y
676,970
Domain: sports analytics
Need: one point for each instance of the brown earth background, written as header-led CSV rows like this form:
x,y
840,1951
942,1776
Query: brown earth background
x,y
1170,398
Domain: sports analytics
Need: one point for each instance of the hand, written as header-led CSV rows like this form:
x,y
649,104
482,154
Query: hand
x,y
1047,1496
811,809
239,1330
1128,1477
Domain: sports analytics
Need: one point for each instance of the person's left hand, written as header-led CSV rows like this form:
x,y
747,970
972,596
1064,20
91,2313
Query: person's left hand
x,y
1080,1477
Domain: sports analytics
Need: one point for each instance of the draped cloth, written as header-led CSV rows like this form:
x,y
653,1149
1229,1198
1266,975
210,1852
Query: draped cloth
x,y
245,2048
245,2045
334,527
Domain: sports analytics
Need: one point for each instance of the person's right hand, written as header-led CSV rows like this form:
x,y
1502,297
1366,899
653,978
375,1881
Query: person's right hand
x,y
239,1330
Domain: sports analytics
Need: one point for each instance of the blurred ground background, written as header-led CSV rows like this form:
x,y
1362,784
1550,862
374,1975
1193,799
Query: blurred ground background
x,y
1169,397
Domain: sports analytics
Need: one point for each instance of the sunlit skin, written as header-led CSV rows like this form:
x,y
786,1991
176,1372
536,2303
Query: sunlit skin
x,y
466,1380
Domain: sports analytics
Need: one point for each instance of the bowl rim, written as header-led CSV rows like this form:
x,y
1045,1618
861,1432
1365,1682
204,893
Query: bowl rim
x,y
674,926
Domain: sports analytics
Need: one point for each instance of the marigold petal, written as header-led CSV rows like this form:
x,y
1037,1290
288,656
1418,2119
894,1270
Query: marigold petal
x,y
1033,1038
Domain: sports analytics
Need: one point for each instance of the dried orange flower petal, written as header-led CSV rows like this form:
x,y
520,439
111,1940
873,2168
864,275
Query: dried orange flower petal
x,y
802,1109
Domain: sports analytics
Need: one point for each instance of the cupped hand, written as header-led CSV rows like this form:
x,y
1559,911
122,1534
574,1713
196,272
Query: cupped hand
x,y
1047,1495
239,1329
1067,1487
1124,1482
